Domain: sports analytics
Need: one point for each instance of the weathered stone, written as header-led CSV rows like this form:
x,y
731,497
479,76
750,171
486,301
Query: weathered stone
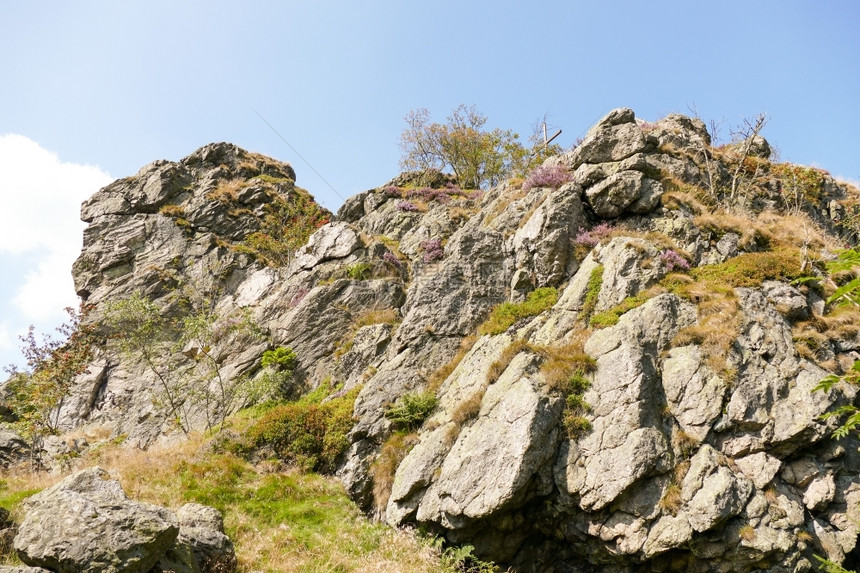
x,y
85,523
201,530
820,492
542,244
516,429
761,468
615,194
615,137
13,448
332,241
789,301
693,392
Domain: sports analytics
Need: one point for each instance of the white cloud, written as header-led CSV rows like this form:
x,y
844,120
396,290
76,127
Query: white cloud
x,y
41,197
40,233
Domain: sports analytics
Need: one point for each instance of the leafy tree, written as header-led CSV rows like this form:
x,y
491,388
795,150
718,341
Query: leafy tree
x,y
478,157
36,393
181,352
847,261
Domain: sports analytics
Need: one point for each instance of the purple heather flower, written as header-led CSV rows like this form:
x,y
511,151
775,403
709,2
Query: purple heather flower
x,y
590,238
407,206
433,250
548,176
672,260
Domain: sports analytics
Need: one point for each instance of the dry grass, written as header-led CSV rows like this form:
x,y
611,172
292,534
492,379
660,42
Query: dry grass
x,y
508,354
377,316
441,374
468,409
172,211
747,533
563,362
227,191
279,521
382,470
683,442
671,501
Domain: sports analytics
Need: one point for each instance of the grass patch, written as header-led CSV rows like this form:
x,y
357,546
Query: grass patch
x,y
751,269
506,314
410,411
279,522
382,471
610,317
306,433
592,292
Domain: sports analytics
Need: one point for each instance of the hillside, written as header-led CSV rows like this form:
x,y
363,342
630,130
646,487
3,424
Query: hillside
x,y
608,366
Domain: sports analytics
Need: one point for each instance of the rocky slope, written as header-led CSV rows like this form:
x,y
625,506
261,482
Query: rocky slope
x,y
656,413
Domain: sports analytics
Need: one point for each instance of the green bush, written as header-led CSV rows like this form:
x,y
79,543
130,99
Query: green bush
x,y
311,435
411,409
281,358
358,271
506,314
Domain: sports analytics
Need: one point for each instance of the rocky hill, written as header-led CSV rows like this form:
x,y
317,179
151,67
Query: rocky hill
x,y
608,366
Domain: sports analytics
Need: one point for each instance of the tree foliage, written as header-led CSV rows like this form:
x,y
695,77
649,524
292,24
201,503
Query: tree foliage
x,y
847,262
36,393
479,157
181,351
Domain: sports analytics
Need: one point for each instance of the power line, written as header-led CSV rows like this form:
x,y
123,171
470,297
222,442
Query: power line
x,y
299,154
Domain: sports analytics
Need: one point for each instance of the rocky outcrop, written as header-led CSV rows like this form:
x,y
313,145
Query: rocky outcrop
x,y
85,523
652,417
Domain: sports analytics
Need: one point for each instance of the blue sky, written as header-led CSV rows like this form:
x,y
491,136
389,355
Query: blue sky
x,y
115,85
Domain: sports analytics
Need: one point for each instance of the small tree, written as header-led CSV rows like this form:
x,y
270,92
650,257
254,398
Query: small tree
x,y
37,393
180,352
478,157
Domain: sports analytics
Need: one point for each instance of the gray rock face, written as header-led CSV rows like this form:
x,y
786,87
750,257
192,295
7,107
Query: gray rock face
x,y
13,448
201,544
86,523
681,461
624,190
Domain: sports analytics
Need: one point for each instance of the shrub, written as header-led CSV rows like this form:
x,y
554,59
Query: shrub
x,y
407,206
506,314
591,237
287,224
391,259
52,365
673,261
358,271
281,358
411,410
310,435
478,157
548,176
433,250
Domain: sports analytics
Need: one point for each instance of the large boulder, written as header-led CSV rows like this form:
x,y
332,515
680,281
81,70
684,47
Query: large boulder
x,y
85,523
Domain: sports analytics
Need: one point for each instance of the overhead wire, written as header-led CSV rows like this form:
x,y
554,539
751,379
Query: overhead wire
x,y
342,198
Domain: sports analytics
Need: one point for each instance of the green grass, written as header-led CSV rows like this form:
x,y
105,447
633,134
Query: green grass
x,y
506,314
279,519
751,269
610,317
592,291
